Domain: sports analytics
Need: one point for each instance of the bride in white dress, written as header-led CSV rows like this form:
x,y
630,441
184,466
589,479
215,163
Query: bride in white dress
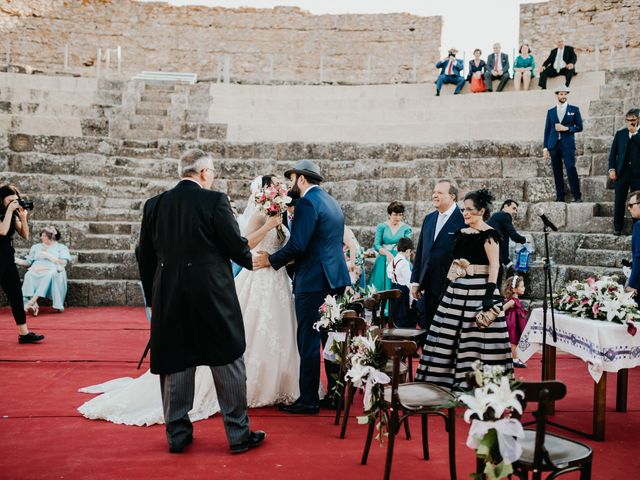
x,y
271,356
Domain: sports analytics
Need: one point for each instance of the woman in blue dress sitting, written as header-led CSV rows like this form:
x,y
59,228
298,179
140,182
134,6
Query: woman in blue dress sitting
x,y
46,277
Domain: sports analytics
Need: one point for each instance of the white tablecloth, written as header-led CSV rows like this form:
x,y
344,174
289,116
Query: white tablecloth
x,y
605,346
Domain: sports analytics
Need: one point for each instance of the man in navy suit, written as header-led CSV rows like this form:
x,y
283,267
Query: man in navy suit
x,y
435,249
624,165
450,72
634,278
563,121
316,247
497,68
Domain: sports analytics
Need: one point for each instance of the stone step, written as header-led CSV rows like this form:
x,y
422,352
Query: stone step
x,y
17,107
606,242
602,258
104,242
155,97
41,125
103,271
119,215
163,87
110,228
146,125
85,293
106,256
138,134
155,112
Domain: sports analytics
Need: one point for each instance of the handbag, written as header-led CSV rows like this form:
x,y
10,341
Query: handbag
x,y
477,84
484,319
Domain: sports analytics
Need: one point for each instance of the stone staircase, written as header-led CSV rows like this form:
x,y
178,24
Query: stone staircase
x,y
93,185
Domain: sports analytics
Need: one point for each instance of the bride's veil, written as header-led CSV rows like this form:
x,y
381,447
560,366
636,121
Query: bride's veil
x,y
250,209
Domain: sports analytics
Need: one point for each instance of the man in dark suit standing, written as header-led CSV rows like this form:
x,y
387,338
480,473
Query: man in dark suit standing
x,y
187,239
502,221
563,121
561,61
435,249
315,245
450,72
624,166
497,68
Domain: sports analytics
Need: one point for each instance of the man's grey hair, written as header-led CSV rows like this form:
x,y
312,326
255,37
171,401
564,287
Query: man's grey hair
x,y
453,188
193,161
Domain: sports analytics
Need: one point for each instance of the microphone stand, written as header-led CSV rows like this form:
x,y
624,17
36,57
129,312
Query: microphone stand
x,y
548,299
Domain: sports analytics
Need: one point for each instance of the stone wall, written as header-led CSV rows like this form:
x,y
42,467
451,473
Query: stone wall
x,y
604,33
284,44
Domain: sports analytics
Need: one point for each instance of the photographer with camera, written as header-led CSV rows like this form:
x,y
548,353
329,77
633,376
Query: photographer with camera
x,y
624,166
450,72
13,218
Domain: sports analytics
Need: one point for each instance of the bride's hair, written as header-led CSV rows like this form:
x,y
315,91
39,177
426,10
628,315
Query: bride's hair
x,y
267,180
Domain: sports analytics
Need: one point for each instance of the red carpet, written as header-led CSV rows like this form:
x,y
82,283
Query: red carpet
x,y
43,436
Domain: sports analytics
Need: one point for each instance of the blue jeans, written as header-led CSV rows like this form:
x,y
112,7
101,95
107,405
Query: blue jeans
x,y
458,80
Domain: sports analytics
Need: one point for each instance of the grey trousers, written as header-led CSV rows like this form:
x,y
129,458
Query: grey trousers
x,y
231,387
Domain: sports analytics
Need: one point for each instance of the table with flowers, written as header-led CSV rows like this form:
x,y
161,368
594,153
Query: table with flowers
x,y
604,345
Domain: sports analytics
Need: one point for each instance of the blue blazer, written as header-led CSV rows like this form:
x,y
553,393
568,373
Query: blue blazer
x,y
619,149
433,258
572,119
458,66
315,245
634,278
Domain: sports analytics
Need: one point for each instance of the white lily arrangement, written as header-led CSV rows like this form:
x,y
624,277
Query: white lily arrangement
x,y
493,434
600,298
366,365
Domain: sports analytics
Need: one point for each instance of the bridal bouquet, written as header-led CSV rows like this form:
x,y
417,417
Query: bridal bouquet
x,y
366,371
493,434
272,200
600,298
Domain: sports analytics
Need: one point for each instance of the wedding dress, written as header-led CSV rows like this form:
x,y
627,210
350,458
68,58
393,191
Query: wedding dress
x,y
271,357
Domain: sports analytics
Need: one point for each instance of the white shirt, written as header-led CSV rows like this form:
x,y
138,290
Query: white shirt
x,y
401,272
442,219
192,180
305,192
561,108
558,63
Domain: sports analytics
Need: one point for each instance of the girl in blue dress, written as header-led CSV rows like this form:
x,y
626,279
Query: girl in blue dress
x,y
387,236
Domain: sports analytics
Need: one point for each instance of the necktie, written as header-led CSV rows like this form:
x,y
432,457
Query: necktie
x,y
557,65
496,62
450,67
439,224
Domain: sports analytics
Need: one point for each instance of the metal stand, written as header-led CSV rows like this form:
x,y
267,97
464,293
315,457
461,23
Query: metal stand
x,y
546,302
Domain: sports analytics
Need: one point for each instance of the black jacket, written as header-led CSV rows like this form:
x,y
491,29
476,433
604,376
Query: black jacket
x,y
187,239
569,56
503,223
622,143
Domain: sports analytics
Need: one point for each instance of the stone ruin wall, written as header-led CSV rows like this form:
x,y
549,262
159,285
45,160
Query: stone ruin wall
x,y
606,34
279,45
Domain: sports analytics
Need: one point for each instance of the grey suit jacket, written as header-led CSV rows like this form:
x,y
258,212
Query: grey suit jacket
x,y
491,61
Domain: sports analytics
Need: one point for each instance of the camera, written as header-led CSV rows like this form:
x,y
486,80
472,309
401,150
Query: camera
x,y
25,203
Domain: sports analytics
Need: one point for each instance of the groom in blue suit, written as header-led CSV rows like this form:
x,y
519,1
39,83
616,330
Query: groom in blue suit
x,y
435,249
563,121
315,246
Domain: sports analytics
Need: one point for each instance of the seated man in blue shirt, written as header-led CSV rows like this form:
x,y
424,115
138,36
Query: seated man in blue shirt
x,y
450,72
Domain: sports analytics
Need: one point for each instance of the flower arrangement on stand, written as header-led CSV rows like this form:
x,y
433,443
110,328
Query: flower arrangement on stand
x,y
366,371
494,433
272,200
600,298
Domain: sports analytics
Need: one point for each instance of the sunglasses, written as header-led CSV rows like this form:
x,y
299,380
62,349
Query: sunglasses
x,y
631,120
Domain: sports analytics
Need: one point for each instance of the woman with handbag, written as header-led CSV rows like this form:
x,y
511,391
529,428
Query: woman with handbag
x,y
477,67
469,324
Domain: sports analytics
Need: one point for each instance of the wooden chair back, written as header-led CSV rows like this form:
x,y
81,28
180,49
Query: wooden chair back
x,y
378,303
396,350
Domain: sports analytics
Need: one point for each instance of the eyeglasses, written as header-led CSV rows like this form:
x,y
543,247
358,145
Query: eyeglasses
x,y
630,205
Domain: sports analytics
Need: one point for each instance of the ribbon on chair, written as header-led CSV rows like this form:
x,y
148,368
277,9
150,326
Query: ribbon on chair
x,y
332,337
508,430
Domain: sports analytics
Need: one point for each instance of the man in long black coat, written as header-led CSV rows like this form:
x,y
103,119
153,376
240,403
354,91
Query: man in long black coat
x,y
187,241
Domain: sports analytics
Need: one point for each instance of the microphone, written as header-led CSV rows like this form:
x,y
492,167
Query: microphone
x,y
547,222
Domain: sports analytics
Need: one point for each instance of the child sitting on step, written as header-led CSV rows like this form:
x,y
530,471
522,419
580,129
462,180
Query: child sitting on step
x,y
515,315
399,272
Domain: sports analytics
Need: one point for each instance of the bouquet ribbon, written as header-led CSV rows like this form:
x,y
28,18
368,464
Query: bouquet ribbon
x,y
508,431
332,337
374,377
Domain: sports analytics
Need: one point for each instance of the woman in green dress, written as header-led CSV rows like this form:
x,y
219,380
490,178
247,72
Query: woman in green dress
x,y
523,68
387,236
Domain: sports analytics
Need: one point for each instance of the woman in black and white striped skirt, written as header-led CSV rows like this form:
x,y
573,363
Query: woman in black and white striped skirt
x,y
455,341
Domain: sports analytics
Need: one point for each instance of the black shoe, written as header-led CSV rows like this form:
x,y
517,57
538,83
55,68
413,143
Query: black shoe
x,y
300,409
560,200
578,200
179,448
255,440
30,337
437,94
519,364
617,233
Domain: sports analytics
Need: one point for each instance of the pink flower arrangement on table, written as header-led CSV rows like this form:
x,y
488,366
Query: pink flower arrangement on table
x,y
272,200
600,298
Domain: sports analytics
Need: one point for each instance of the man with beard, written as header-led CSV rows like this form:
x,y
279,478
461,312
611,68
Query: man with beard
x,y
563,121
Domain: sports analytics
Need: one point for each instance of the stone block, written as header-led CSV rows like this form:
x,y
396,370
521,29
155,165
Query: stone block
x,y
600,126
468,168
539,190
583,165
608,107
78,294
213,131
134,294
95,127
524,167
19,142
555,211
579,214
107,293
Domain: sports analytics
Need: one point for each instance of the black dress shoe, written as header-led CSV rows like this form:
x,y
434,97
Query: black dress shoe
x,y
300,409
179,447
30,337
254,440
617,233
578,200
